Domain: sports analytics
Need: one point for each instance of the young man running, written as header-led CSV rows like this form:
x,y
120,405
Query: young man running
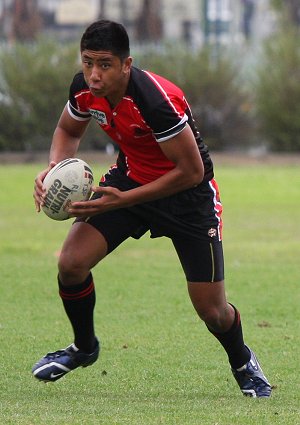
x,y
163,182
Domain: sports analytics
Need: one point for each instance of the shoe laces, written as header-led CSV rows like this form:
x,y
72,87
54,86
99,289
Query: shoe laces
x,y
56,354
259,382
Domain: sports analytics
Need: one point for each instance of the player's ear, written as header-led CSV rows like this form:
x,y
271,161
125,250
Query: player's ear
x,y
127,64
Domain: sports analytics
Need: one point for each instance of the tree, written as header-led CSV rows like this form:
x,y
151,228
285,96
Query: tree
x,y
25,20
289,10
149,23
102,9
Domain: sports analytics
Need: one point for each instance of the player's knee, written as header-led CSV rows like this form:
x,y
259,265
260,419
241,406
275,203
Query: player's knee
x,y
72,268
208,314
214,318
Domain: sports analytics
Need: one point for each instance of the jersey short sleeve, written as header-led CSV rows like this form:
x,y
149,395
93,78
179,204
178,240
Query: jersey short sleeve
x,y
173,121
79,95
161,103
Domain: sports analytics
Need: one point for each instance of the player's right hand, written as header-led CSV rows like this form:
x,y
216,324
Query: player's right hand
x,y
39,190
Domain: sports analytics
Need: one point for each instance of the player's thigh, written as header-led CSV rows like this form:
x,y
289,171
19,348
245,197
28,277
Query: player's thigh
x,y
201,260
203,265
91,239
83,248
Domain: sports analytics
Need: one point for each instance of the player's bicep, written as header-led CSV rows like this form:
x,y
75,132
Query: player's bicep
x,y
182,149
75,128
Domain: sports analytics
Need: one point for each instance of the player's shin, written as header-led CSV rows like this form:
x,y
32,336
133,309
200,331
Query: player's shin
x,y
79,302
233,343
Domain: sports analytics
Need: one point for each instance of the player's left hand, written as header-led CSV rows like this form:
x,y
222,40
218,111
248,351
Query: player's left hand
x,y
112,198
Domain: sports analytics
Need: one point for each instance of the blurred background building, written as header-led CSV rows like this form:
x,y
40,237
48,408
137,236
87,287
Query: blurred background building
x,y
194,22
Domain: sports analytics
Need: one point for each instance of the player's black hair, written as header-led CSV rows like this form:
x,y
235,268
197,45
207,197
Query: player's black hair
x,y
108,36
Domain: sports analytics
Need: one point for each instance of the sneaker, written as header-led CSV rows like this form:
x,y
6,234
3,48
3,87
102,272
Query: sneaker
x,y
54,366
251,379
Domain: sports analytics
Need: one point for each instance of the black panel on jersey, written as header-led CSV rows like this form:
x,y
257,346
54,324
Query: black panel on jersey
x,y
143,90
141,87
207,162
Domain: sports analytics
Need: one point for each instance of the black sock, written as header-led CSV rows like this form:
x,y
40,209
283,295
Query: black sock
x,y
79,302
233,343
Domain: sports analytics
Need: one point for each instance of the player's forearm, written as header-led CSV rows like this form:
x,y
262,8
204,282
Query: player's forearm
x,y
63,145
173,182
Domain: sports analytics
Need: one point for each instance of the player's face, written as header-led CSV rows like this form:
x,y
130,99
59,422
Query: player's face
x,y
105,74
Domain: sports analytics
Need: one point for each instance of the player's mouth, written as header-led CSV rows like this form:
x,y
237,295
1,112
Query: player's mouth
x,y
97,91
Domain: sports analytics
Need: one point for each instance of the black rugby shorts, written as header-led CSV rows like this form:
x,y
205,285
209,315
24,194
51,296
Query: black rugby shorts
x,y
191,219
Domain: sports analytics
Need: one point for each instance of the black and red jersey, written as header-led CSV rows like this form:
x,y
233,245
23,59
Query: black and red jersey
x,y
153,110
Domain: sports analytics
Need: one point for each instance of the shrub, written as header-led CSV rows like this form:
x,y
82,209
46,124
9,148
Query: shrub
x,y
278,91
221,106
34,85
34,91
34,82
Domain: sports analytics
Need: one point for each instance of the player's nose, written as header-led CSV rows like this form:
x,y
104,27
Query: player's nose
x,y
95,74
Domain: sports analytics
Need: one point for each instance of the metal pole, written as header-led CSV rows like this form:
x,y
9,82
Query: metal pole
x,y
205,20
218,28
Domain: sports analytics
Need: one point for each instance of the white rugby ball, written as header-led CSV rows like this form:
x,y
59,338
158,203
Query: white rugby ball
x,y
69,181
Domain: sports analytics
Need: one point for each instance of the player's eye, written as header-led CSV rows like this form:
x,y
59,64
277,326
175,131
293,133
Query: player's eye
x,y
87,63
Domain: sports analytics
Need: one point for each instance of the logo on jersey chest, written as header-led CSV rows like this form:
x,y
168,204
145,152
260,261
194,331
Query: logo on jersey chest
x,y
99,116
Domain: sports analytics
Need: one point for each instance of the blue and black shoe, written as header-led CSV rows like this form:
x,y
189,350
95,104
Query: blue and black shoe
x,y
251,379
54,366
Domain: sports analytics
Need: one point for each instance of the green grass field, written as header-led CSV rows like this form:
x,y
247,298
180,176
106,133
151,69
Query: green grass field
x,y
158,365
